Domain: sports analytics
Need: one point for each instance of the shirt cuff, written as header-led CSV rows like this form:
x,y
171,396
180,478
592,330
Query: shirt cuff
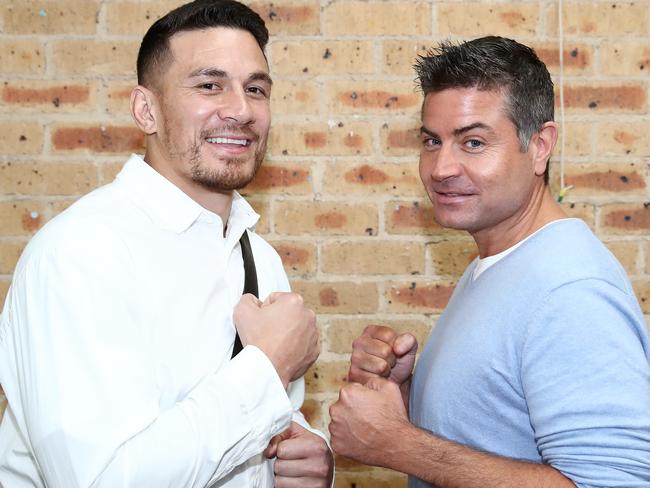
x,y
263,395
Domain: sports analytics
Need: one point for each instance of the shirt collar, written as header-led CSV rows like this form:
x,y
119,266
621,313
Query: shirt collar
x,y
169,207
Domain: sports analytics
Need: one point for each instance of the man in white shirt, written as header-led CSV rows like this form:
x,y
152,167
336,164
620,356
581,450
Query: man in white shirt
x,y
117,334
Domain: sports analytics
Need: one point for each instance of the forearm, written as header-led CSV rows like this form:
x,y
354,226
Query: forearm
x,y
225,420
447,464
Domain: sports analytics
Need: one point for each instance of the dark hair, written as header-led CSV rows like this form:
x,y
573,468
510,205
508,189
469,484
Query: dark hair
x,y
494,63
200,14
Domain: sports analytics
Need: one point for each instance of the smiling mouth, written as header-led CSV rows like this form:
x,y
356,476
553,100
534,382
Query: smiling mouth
x,y
228,140
452,194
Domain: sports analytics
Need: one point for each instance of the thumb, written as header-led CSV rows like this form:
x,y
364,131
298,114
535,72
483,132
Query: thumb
x,y
272,449
405,344
273,297
376,383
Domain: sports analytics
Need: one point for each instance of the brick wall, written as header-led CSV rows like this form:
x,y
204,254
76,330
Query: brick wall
x,y
339,192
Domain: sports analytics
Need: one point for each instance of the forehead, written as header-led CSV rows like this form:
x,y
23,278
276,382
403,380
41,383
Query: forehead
x,y
229,49
462,106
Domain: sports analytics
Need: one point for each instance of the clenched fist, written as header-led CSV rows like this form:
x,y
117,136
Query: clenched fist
x,y
283,328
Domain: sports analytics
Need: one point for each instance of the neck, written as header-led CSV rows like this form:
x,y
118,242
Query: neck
x,y
217,201
541,210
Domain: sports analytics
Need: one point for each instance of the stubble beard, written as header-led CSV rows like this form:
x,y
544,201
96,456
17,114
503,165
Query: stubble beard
x,y
232,173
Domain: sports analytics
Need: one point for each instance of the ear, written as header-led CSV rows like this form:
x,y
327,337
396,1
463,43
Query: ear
x,y
541,145
143,109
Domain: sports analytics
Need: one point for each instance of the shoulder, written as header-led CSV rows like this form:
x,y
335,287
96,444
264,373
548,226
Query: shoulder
x,y
91,229
568,251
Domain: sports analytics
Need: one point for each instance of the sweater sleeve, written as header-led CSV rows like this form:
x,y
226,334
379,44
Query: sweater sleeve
x,y
586,380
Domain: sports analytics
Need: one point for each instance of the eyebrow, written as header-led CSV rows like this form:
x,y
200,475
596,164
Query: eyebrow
x,y
475,125
219,73
460,130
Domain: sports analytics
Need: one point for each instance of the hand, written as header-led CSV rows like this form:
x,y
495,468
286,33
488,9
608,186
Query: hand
x,y
303,459
283,328
368,420
380,352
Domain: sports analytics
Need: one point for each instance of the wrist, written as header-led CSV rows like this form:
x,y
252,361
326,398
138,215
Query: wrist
x,y
280,366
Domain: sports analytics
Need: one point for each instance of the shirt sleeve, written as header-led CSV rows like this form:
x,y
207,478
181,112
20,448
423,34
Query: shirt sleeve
x,y
586,380
68,319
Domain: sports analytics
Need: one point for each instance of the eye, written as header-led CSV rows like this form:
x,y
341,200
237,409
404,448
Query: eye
x,y
257,91
474,144
430,142
209,86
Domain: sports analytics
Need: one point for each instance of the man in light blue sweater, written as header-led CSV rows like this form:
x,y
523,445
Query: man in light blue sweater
x,y
537,373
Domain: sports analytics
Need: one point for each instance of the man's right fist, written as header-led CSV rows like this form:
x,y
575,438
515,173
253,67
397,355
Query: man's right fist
x,y
380,352
281,327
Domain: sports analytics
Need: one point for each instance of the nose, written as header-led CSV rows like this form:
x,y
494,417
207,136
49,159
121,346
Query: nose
x,y
235,106
441,164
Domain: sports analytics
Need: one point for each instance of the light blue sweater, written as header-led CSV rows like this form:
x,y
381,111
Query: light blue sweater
x,y
545,358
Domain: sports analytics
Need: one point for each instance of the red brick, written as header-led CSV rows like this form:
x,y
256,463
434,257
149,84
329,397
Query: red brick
x,y
398,179
48,96
419,297
288,179
338,296
299,258
604,179
413,218
329,218
626,218
577,58
373,97
115,139
608,99
320,139
400,139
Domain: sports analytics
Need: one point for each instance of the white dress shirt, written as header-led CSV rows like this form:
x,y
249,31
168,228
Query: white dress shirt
x,y
115,346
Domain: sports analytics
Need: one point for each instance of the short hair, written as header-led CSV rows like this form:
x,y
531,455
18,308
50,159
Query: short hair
x,y
154,50
494,63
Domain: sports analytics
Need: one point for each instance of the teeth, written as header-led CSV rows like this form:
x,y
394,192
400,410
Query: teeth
x,y
226,140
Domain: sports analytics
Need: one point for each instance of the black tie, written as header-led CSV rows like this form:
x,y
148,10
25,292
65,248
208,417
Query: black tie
x,y
250,280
